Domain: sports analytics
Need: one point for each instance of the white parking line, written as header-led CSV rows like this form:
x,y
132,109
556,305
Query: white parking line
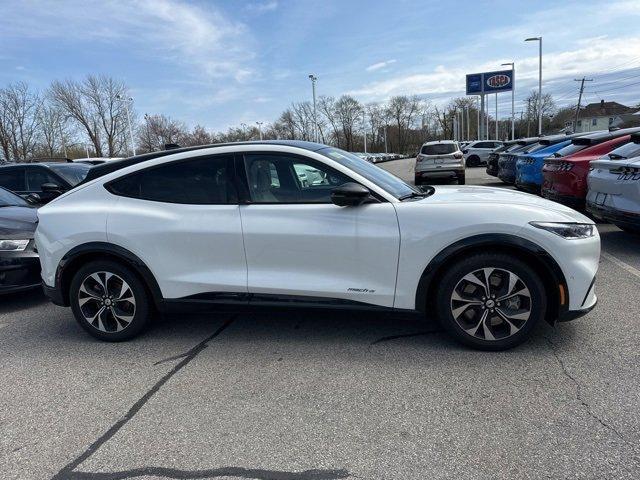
x,y
621,264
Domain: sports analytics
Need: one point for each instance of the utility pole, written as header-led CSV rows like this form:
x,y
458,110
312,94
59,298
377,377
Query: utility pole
x,y
364,129
314,79
575,123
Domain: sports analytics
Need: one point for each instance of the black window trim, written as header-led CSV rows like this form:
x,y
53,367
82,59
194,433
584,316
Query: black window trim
x,y
231,166
242,178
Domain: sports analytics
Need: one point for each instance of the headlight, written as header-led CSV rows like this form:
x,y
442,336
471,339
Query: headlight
x,y
570,231
13,245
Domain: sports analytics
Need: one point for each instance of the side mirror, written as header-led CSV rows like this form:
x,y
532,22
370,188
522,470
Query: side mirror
x,y
350,195
51,188
33,198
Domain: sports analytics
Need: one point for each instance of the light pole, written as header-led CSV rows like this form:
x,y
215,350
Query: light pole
x,y
478,121
126,102
513,98
496,116
314,79
539,40
385,139
259,129
364,129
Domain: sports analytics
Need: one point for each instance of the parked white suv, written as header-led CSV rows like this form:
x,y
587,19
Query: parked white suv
x,y
477,153
440,160
234,224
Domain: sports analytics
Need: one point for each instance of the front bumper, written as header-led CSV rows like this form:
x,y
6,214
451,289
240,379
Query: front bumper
x,y
19,270
54,294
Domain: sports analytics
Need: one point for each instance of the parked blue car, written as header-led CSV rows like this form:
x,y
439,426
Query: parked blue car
x,y
529,167
507,162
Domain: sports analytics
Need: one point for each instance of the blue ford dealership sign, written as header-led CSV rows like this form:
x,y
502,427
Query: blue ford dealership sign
x,y
489,82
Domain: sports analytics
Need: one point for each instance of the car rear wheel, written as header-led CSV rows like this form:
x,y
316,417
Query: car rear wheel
x,y
490,301
473,161
109,301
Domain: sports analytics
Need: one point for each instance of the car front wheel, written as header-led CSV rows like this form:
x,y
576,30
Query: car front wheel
x,y
109,301
490,301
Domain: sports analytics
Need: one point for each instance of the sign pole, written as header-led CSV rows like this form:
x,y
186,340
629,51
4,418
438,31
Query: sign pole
x,y
496,116
481,124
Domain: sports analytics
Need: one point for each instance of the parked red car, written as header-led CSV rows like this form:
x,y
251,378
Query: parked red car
x,y
565,178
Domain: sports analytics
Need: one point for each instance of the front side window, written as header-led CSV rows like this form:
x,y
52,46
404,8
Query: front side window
x,y
203,181
276,178
38,176
9,199
12,179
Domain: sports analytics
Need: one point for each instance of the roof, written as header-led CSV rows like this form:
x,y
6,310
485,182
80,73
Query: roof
x,y
601,109
603,136
112,166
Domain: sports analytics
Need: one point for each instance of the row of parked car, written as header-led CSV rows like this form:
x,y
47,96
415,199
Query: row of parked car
x,y
378,157
598,172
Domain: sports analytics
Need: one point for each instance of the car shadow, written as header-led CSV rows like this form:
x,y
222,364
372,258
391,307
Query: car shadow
x,y
14,302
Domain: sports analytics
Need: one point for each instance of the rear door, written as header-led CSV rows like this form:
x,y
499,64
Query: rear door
x,y
182,219
302,247
12,178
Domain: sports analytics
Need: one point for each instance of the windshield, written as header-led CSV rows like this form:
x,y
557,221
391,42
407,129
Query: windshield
x,y
628,150
73,173
10,199
569,149
438,149
377,175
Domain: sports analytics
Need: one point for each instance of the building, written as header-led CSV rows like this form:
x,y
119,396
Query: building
x,y
603,115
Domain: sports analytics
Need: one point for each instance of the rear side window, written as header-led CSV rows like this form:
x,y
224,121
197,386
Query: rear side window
x,y
204,181
38,176
12,179
438,149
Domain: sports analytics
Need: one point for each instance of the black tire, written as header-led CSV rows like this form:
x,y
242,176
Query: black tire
x,y
504,339
473,161
114,328
628,228
461,179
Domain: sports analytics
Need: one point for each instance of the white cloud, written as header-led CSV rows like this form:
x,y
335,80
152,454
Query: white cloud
x,y
594,56
201,38
261,7
380,65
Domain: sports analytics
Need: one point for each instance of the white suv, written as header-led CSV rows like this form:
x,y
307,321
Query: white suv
x,y
440,160
477,153
236,224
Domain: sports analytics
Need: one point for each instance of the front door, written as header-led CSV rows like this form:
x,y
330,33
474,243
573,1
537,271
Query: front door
x,y
299,244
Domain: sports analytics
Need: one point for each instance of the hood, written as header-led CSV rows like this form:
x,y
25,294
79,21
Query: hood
x,y
627,162
18,222
502,197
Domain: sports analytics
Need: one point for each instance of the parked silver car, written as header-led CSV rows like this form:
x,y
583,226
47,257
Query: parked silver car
x,y
614,187
477,153
440,160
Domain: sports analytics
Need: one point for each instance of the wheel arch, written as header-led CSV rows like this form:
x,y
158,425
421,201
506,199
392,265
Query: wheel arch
x,y
78,256
535,256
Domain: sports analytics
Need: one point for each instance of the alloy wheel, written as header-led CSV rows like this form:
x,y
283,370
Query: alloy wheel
x,y
106,302
491,303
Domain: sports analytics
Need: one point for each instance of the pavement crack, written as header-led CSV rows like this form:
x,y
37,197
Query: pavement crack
x,y
579,398
237,472
67,472
404,335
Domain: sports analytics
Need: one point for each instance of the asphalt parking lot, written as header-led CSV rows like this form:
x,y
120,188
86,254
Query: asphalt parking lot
x,y
324,395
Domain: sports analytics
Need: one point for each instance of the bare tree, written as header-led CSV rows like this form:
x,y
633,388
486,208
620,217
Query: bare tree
x,y
20,109
158,130
349,114
327,108
96,104
403,111
51,121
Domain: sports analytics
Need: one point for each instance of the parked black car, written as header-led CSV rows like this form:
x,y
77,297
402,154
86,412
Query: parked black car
x,y
42,181
19,263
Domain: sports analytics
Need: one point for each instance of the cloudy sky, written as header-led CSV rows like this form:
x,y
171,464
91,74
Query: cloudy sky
x,y
220,63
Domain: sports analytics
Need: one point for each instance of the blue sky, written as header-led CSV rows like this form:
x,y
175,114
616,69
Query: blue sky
x,y
220,63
